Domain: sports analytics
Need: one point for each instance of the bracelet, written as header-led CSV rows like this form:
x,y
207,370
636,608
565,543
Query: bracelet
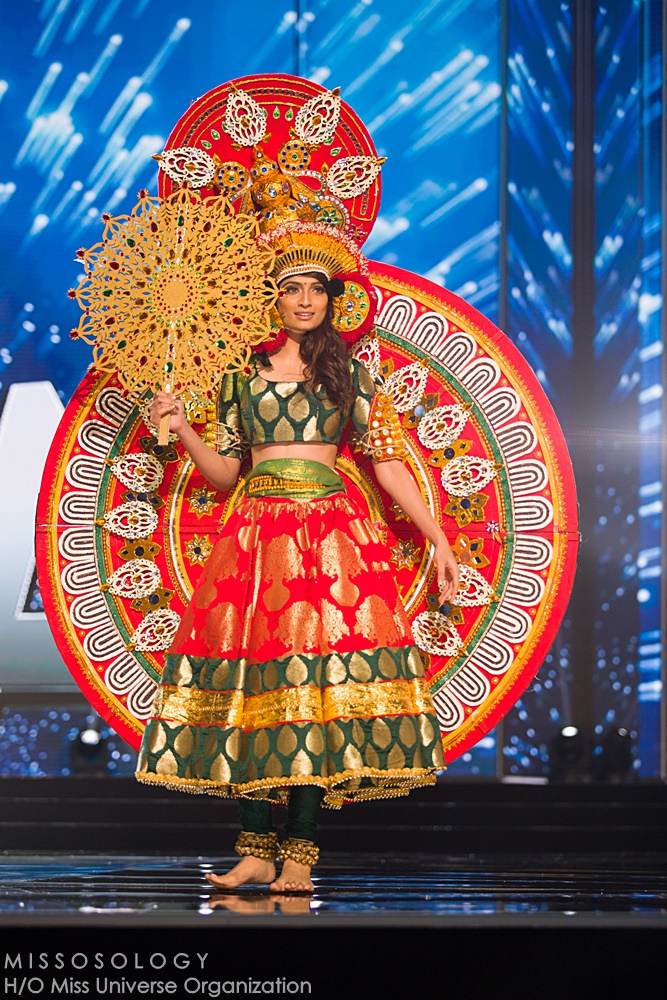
x,y
259,845
304,852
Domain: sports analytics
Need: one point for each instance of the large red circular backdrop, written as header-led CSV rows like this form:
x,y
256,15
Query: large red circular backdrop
x,y
123,532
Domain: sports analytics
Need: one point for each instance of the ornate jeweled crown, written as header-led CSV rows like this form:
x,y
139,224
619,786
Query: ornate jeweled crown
x,y
314,207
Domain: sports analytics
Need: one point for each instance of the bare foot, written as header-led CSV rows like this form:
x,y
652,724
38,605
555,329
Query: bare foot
x,y
293,878
249,869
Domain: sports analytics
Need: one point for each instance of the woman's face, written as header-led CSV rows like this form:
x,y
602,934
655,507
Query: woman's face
x,y
303,303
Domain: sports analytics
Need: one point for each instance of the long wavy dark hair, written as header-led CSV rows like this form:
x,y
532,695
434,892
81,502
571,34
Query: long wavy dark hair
x,y
324,353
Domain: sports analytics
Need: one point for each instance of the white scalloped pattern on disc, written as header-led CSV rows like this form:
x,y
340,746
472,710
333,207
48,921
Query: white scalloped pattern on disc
x,y
318,119
245,120
368,352
138,471
436,634
442,425
474,591
187,163
405,386
131,520
156,631
351,176
137,578
467,474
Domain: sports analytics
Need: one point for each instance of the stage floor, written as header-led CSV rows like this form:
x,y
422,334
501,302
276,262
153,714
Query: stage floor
x,y
411,890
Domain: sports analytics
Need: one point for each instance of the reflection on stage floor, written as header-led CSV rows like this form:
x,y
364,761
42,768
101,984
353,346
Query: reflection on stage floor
x,y
508,890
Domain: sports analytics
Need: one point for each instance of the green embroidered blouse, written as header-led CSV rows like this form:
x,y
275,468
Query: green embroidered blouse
x,y
253,410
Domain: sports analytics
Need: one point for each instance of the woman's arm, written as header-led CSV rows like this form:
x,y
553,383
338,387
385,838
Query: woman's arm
x,y
220,471
393,477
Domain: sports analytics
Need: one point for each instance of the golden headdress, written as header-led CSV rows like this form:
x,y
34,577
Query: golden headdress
x,y
314,207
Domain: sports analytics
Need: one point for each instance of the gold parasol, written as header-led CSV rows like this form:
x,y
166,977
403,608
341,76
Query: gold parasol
x,y
176,294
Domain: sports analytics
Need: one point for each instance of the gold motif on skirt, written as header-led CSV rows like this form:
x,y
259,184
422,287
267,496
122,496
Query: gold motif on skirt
x,y
221,627
302,764
375,622
299,628
333,622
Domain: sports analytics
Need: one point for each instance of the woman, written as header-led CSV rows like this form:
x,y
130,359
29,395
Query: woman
x,y
294,675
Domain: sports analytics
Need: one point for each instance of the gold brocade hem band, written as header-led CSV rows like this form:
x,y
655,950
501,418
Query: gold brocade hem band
x,y
353,700
304,852
390,784
259,845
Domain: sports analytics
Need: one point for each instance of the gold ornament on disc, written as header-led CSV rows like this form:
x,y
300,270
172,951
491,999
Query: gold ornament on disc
x,y
176,294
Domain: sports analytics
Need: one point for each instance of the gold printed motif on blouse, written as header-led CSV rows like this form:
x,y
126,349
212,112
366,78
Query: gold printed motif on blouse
x,y
233,744
182,673
286,389
190,706
283,430
299,408
310,431
358,734
287,741
268,407
361,412
331,425
372,759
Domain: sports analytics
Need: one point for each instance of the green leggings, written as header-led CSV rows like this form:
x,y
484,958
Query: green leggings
x,y
304,802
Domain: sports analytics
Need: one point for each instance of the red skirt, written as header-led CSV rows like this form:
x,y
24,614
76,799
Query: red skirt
x,y
294,664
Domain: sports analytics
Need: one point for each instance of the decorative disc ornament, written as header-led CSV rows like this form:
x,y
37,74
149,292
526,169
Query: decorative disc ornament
x,y
175,294
484,447
281,147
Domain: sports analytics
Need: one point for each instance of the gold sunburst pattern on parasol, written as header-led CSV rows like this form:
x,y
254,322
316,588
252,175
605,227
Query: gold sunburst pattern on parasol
x,y
176,293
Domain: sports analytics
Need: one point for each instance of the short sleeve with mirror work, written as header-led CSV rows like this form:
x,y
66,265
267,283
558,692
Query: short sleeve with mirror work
x,y
375,420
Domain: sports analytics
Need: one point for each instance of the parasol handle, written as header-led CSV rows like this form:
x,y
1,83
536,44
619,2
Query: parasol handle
x,y
163,433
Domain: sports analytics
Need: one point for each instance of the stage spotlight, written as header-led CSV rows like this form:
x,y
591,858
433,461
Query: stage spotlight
x,y
566,752
614,758
89,752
